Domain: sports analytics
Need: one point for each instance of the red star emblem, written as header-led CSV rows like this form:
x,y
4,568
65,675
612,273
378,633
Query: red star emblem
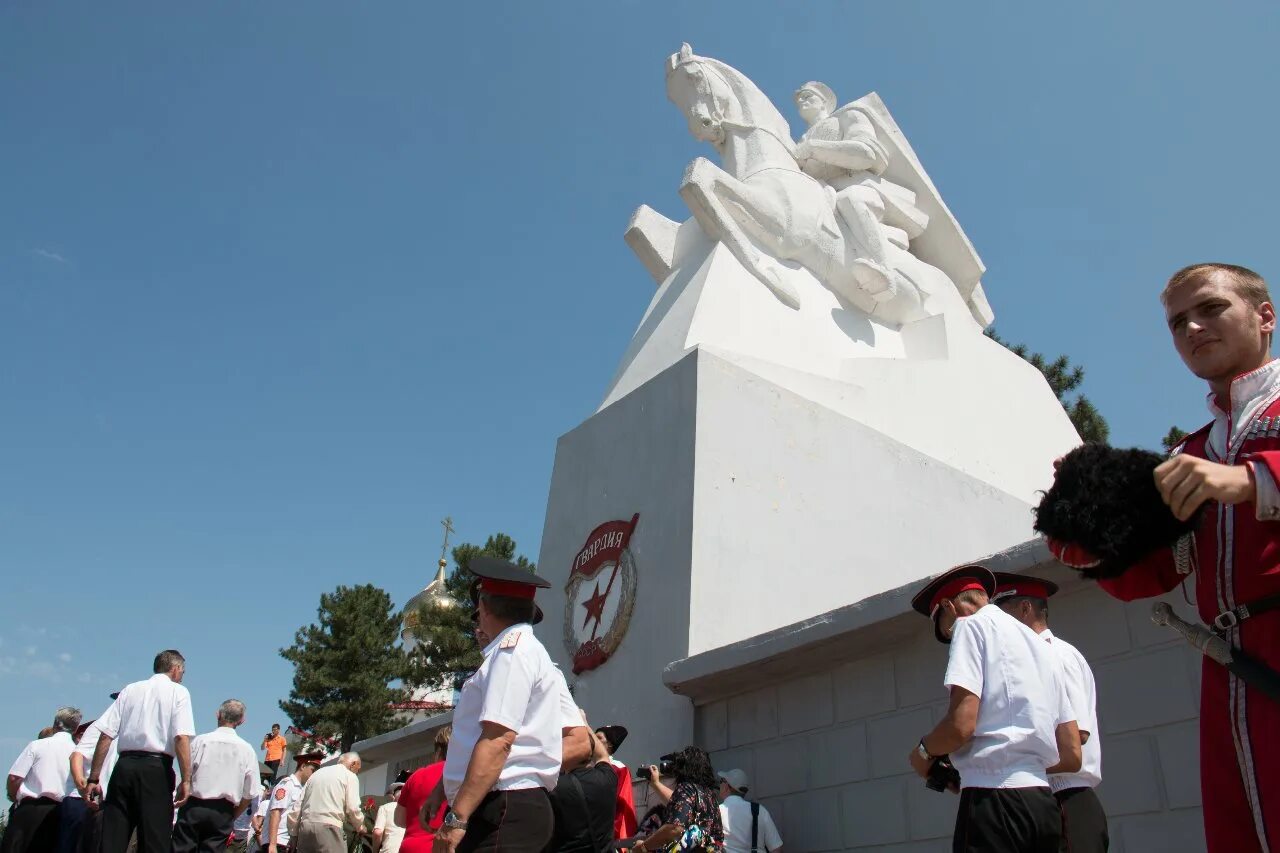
x,y
594,606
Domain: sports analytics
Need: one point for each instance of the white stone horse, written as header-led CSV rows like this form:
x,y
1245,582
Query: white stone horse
x,y
763,208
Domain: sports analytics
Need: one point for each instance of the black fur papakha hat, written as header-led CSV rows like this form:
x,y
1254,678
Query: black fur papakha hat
x,y
1104,512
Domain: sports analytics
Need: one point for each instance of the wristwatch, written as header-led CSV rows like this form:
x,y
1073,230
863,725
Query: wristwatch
x,y
922,752
451,821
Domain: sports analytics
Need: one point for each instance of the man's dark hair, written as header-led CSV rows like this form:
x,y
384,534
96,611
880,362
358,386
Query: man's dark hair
x,y
167,660
508,609
1039,606
275,725
692,764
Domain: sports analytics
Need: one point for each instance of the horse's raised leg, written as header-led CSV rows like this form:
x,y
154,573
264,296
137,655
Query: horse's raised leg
x,y
712,196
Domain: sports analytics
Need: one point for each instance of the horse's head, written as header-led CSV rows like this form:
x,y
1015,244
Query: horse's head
x,y
701,94
714,97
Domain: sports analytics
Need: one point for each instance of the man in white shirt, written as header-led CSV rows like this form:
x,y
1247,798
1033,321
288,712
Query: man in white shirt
x,y
224,776
330,799
748,827
38,781
150,723
243,835
1084,821
81,766
511,725
1009,724
287,793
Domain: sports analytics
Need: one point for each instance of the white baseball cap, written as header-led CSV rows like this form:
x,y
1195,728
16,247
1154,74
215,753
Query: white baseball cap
x,y
736,779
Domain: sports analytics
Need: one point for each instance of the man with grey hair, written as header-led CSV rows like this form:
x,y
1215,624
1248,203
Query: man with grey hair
x,y
151,724
331,798
38,782
224,777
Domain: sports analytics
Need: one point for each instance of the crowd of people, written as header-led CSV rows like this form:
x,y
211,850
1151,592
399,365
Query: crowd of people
x,y
521,771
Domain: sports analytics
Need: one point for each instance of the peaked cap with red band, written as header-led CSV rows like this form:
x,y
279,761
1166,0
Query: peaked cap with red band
x,y
928,601
1010,585
315,758
499,577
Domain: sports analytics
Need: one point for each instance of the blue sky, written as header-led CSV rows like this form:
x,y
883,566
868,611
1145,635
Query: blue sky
x,y
284,284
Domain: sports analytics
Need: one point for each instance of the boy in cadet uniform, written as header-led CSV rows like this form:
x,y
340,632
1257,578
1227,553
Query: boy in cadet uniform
x,y
1084,821
1009,724
287,792
508,726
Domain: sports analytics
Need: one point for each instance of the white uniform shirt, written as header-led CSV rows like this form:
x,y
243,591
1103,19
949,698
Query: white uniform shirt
x,y
148,715
518,687
331,797
263,812
735,817
392,834
223,766
286,792
45,768
243,825
1082,693
1016,676
88,743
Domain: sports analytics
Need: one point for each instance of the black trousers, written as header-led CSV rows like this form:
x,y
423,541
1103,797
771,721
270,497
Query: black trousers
x,y
1007,820
510,822
1084,822
72,819
139,796
275,768
33,826
203,826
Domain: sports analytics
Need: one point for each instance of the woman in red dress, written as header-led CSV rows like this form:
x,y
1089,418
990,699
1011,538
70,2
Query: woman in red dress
x,y
421,807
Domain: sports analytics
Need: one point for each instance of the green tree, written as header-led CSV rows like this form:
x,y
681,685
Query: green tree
x,y
1172,438
1064,378
447,654
345,666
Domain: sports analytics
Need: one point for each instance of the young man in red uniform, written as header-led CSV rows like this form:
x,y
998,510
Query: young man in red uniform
x,y
1222,319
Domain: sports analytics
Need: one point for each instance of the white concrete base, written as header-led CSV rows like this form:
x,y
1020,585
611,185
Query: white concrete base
x,y
759,508
937,386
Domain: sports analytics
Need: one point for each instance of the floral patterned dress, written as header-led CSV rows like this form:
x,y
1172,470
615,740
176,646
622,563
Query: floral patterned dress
x,y
695,808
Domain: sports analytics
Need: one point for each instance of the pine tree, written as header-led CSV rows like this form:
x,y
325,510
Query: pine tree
x,y
447,654
1172,439
345,666
1063,378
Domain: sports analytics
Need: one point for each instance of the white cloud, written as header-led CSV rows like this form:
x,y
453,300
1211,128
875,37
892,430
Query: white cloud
x,y
30,650
65,657
49,255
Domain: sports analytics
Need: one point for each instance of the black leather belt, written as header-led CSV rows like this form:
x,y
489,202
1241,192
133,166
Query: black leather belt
x,y
141,753
1228,619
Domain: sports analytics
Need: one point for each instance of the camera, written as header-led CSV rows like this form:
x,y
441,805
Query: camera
x,y
666,767
942,775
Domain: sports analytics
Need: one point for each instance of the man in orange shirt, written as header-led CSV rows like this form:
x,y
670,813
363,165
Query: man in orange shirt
x,y
274,744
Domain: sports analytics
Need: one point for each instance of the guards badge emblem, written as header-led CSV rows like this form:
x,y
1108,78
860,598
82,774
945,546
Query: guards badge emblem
x,y
602,594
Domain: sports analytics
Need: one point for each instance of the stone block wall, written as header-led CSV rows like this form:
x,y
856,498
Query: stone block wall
x,y
827,752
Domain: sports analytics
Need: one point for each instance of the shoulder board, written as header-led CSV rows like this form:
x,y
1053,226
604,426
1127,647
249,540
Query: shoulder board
x,y
510,641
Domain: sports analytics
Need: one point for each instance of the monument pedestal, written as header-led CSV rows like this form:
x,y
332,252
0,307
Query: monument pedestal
x,y
758,508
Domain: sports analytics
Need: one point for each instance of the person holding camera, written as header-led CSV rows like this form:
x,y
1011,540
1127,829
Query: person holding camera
x,y
273,743
1009,724
692,815
748,826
